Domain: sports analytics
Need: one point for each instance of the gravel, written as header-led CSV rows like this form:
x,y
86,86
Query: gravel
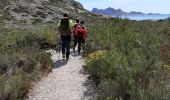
x,y
65,82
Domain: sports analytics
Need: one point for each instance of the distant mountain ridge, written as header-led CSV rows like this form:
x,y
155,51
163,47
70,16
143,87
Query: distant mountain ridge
x,y
117,12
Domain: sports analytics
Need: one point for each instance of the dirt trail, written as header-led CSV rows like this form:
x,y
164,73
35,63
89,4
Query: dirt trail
x,y
65,82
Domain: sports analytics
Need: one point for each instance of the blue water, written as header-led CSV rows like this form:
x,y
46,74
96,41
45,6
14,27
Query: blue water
x,y
146,17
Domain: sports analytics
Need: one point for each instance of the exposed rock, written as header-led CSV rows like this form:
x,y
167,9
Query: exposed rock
x,y
78,5
39,11
15,13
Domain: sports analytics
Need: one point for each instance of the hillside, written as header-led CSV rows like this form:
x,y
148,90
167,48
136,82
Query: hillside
x,y
40,11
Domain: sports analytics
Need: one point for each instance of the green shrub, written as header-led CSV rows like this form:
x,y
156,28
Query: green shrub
x,y
131,68
22,61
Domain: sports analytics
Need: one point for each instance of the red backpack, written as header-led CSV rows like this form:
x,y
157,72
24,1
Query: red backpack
x,y
81,31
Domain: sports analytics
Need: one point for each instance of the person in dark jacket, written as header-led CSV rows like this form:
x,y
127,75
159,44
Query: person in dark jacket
x,y
65,27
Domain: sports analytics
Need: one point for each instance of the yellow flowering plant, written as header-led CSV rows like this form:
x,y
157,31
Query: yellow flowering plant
x,y
94,56
166,67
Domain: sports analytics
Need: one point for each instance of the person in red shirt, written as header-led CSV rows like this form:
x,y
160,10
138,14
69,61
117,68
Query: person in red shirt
x,y
75,33
81,35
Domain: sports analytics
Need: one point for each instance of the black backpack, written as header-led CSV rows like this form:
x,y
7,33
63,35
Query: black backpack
x,y
64,28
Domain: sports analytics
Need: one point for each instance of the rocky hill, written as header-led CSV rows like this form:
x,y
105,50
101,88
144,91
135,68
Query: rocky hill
x,y
40,11
114,12
108,11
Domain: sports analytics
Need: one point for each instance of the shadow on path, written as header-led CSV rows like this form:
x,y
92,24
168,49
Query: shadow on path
x,y
60,63
92,90
76,55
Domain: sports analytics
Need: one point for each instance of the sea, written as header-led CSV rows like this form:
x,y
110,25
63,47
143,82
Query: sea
x,y
146,17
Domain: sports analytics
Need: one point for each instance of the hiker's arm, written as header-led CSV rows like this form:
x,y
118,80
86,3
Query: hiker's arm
x,y
71,24
85,28
59,24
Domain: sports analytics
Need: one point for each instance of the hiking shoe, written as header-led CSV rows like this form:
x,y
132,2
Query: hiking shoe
x,y
67,58
63,56
74,49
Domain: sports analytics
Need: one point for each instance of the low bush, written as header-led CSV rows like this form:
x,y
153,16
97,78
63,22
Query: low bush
x,y
130,65
22,61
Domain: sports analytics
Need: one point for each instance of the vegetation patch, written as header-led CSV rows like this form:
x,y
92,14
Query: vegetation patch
x,y
127,59
22,60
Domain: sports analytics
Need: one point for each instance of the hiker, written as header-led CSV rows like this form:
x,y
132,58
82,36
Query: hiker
x,y
81,35
75,32
65,27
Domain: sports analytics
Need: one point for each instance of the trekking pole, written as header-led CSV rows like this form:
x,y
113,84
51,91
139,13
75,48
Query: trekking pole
x,y
74,53
59,48
74,48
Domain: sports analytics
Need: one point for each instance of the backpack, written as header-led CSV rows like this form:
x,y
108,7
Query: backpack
x,y
79,26
64,28
81,31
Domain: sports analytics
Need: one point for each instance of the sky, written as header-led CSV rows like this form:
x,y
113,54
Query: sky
x,y
146,6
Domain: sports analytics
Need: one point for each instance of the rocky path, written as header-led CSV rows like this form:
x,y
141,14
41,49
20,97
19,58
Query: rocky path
x,y
65,82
